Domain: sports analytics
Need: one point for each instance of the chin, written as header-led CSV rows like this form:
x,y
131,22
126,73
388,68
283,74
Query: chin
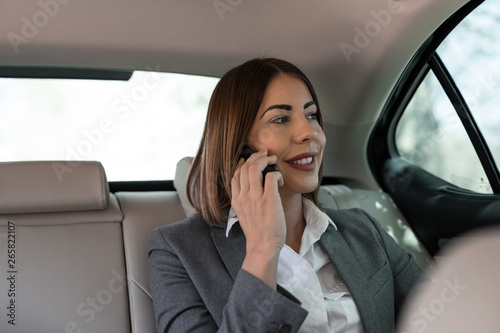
x,y
303,187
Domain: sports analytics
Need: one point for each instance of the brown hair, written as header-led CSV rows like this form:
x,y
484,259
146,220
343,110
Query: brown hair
x,y
232,110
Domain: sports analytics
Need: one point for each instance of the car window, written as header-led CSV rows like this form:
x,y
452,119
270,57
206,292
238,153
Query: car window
x,y
431,133
431,136
472,56
68,119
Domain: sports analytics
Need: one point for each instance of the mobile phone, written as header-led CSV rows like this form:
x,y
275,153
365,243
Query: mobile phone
x,y
246,152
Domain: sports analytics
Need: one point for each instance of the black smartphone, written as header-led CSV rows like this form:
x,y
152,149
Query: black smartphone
x,y
246,152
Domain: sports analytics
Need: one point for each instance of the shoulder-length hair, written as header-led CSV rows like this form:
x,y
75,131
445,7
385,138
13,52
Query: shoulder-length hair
x,y
232,110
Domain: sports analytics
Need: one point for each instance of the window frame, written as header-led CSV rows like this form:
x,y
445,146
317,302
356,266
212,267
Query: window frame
x,y
382,145
465,115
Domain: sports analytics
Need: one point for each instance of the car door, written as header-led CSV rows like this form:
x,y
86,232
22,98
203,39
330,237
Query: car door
x,y
436,146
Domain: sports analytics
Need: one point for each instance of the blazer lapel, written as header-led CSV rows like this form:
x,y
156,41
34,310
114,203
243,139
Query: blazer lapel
x,y
232,249
348,267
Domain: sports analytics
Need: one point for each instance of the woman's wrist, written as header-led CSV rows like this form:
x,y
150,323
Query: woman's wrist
x,y
263,264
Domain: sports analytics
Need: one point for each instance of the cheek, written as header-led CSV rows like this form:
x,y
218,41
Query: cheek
x,y
321,138
323,141
264,137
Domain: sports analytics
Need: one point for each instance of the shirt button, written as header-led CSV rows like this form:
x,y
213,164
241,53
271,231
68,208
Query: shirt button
x,y
285,328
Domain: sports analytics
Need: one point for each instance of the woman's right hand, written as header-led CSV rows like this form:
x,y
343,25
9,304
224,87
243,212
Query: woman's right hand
x,y
260,215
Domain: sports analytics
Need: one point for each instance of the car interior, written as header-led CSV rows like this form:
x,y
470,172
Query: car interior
x,y
74,237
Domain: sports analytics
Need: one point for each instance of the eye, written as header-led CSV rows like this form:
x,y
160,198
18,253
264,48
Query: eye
x,y
313,116
280,120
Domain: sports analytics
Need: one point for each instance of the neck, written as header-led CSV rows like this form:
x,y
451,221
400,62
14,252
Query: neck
x,y
294,216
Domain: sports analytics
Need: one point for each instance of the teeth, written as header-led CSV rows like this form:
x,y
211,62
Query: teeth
x,y
303,161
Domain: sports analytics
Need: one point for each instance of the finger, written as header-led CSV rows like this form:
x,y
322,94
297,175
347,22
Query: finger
x,y
257,155
235,181
281,181
256,169
250,170
255,177
243,177
273,181
237,169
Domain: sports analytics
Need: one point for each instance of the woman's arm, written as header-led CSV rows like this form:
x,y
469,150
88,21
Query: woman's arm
x,y
178,306
252,306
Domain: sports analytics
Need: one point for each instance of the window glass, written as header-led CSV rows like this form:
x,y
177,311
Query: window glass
x,y
472,55
138,128
430,135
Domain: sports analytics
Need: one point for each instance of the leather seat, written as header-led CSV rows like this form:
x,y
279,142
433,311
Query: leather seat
x,y
144,211
67,269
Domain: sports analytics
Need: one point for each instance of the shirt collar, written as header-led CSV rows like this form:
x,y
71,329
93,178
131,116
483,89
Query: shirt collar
x,y
316,223
232,219
316,220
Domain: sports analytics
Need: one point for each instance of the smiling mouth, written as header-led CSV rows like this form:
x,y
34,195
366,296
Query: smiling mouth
x,y
302,161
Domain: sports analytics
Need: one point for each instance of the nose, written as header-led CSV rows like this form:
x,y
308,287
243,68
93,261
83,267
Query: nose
x,y
305,131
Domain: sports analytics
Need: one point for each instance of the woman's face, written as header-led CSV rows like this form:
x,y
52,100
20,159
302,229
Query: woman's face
x,y
287,126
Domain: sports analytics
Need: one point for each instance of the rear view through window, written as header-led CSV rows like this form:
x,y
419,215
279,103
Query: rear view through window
x,y
138,128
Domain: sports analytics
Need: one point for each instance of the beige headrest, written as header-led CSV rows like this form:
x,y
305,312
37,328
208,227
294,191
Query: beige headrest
x,y
180,184
52,186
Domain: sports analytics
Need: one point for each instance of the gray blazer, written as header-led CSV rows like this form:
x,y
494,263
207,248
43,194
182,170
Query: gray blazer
x,y
198,286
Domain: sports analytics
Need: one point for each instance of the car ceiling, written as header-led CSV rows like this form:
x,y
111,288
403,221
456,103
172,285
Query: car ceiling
x,y
194,37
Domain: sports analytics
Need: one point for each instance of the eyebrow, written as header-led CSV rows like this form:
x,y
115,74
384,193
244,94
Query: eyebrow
x,y
286,107
308,104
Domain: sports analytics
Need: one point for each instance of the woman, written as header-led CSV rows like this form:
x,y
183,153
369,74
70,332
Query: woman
x,y
265,258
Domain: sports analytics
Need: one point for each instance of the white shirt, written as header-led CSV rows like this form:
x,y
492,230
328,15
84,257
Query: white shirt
x,y
311,277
